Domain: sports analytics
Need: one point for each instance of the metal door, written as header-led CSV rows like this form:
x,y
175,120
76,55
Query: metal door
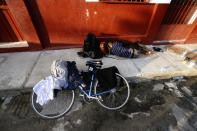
x,y
9,31
179,22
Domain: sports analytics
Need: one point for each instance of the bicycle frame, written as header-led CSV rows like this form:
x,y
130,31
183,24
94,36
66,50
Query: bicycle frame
x,y
89,95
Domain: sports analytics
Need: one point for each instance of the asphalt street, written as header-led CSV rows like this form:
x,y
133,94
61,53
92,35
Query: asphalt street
x,y
154,105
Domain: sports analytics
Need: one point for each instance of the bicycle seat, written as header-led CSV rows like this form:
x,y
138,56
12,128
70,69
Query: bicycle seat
x,y
94,63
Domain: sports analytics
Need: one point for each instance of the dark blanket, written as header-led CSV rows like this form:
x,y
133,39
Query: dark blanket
x,y
74,80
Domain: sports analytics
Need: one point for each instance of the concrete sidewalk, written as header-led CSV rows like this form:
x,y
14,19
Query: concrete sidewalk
x,y
25,69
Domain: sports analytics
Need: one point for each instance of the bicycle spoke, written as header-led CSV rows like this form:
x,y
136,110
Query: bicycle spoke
x,y
56,107
116,98
122,88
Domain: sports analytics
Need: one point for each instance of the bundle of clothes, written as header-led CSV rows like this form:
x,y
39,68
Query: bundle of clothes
x,y
64,76
95,48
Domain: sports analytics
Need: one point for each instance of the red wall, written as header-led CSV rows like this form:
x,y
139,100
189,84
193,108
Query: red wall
x,y
67,21
64,23
192,38
173,32
24,22
175,27
6,32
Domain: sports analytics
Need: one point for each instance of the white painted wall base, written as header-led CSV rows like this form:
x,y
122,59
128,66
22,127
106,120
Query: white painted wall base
x,y
13,44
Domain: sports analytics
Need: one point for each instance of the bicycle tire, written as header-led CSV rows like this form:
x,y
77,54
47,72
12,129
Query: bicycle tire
x,y
55,108
102,99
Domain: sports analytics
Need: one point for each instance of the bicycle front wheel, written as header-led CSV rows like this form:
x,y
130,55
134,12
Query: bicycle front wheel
x,y
117,97
55,108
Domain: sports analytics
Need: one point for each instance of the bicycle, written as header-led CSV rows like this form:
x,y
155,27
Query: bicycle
x,y
112,99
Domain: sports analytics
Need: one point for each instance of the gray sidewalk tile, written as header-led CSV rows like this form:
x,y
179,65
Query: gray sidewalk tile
x,y
178,62
18,70
190,47
15,68
154,65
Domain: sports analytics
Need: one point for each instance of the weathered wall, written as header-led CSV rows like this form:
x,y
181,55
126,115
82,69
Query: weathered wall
x,y
63,23
24,22
67,21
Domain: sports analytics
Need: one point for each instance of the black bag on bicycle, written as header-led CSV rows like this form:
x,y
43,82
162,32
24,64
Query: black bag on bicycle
x,y
107,77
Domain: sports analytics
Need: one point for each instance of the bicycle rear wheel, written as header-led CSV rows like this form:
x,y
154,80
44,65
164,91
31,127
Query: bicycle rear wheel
x,y
117,97
55,108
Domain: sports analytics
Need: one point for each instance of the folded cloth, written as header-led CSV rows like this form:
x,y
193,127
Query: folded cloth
x,y
65,75
44,90
59,72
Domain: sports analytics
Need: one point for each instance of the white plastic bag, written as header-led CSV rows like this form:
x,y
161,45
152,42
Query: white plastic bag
x,y
44,90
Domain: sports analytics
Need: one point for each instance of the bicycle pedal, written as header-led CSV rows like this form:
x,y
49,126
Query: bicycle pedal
x,y
100,98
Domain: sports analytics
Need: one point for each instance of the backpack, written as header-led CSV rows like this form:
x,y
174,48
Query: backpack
x,y
90,43
91,47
